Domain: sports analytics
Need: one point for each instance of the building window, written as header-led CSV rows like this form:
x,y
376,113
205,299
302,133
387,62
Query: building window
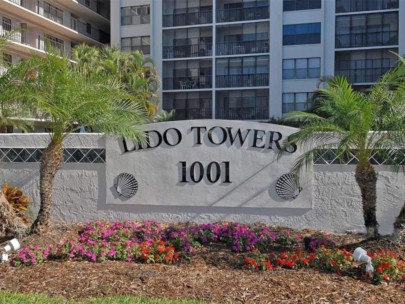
x,y
6,23
296,101
306,33
298,5
141,43
367,30
55,43
135,15
343,6
301,68
53,13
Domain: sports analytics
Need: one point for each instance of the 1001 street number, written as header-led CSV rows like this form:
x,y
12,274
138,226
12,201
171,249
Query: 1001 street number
x,y
213,172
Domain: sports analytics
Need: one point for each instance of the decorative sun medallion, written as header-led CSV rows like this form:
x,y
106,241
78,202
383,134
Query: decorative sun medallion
x,y
288,187
126,185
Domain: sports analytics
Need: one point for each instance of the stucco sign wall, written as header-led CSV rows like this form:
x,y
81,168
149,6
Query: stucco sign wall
x,y
206,163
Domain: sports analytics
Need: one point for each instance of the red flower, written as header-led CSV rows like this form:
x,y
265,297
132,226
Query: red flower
x,y
333,263
386,277
290,264
379,269
268,265
280,262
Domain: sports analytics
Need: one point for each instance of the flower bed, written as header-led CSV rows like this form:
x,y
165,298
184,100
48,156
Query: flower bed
x,y
263,247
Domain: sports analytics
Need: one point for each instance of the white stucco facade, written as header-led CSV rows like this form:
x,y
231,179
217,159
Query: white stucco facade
x,y
81,191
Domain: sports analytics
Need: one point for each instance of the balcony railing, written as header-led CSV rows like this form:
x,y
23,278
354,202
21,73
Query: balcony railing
x,y
202,112
187,83
30,39
366,39
89,31
191,50
243,47
57,19
343,6
363,75
187,19
245,112
246,80
305,73
183,114
243,14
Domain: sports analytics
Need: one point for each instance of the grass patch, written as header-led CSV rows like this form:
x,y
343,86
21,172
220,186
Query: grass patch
x,y
16,298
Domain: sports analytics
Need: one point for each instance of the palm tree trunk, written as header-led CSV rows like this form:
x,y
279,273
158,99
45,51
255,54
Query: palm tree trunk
x,y
399,227
366,178
51,161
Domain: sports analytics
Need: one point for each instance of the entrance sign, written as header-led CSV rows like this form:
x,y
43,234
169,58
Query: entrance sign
x,y
209,163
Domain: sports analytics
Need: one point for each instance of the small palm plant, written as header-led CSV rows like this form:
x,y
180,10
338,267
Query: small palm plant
x,y
355,123
68,99
135,71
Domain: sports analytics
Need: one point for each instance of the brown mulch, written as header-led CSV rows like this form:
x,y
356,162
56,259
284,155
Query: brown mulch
x,y
212,274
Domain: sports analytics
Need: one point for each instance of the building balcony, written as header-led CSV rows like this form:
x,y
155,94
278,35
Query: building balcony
x,y
245,80
363,75
100,7
190,18
345,6
243,47
366,39
66,20
242,113
187,83
184,114
26,41
185,51
189,105
89,31
243,14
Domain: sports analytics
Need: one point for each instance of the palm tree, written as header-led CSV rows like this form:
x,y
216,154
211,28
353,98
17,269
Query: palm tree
x,y
136,71
68,98
351,122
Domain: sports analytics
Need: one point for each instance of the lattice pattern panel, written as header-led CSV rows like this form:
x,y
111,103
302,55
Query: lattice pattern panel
x,y
331,157
70,155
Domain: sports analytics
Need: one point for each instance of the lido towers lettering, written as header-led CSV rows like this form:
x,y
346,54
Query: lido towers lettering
x,y
255,139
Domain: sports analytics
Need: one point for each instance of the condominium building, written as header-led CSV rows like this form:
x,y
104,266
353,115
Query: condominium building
x,y
256,59
35,25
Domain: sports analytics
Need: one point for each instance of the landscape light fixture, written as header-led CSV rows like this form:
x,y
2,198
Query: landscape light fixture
x,y
12,245
360,255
